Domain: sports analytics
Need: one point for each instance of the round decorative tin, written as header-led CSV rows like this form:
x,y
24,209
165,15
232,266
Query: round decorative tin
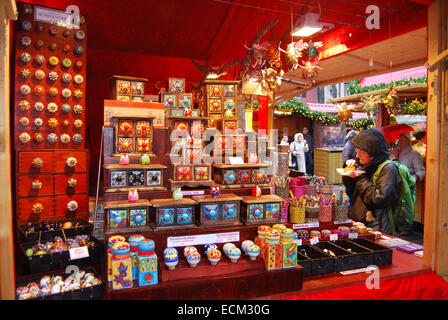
x,y
39,106
25,73
80,35
53,75
24,137
77,109
24,121
66,77
39,44
39,60
38,137
53,91
65,138
65,108
39,74
25,57
39,90
53,122
25,41
79,49
66,93
72,205
78,123
38,122
52,138
77,138
66,63
25,89
53,60
24,105
26,25
78,79
52,107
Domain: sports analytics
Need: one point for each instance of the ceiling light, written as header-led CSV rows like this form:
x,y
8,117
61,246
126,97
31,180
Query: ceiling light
x,y
308,25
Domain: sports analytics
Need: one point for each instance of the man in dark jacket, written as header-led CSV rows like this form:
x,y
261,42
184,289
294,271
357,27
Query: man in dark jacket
x,y
309,154
370,203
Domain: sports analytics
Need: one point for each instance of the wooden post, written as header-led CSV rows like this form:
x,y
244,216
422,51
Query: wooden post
x,y
8,11
436,195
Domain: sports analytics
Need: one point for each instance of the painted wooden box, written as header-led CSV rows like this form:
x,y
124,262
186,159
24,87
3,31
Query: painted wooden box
x,y
125,88
124,216
173,214
119,178
261,210
224,210
242,175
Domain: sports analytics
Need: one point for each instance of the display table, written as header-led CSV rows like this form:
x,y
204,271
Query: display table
x,y
326,161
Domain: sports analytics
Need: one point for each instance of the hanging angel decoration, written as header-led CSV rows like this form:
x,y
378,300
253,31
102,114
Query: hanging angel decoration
x,y
371,105
271,79
344,113
293,53
391,101
311,52
309,71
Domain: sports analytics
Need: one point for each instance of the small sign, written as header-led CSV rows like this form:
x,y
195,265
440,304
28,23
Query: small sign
x,y
353,235
193,193
298,242
343,222
53,16
78,253
306,225
314,240
203,239
333,237
236,160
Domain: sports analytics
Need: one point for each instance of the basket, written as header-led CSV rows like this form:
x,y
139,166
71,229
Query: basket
x,y
298,191
310,190
311,214
297,215
325,213
340,213
282,191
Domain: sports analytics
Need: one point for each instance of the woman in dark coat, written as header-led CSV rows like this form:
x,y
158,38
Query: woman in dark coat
x,y
370,203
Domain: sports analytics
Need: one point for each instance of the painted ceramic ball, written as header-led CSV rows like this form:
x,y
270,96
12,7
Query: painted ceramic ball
x,y
227,247
344,231
209,246
171,257
303,234
188,250
253,251
234,254
214,255
52,107
315,234
246,244
193,258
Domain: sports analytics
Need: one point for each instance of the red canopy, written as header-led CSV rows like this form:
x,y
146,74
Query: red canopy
x,y
393,131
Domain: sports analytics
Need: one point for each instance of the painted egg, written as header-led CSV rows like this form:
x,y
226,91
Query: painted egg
x,y
234,254
170,256
188,250
193,258
227,247
214,255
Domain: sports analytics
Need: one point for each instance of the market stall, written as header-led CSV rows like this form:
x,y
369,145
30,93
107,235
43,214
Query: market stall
x,y
152,185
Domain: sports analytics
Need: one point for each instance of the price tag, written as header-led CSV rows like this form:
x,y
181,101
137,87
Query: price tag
x,y
333,237
353,235
78,253
314,240
298,242
305,225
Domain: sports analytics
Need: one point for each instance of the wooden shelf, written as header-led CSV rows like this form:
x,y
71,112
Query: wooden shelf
x,y
146,188
134,166
161,203
223,197
126,204
404,92
263,199
240,166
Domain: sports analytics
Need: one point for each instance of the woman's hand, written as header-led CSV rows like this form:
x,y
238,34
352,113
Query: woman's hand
x,y
350,163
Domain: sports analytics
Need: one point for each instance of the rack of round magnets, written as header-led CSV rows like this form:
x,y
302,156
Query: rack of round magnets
x,y
119,178
125,216
223,210
261,210
173,214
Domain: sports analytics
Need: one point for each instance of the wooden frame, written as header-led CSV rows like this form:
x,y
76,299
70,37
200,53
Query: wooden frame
x,y
220,203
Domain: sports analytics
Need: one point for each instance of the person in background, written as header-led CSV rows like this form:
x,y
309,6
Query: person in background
x,y
349,151
284,141
309,154
298,149
370,203
409,157
328,140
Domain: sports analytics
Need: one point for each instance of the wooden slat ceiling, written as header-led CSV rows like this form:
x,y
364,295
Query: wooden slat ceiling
x,y
402,52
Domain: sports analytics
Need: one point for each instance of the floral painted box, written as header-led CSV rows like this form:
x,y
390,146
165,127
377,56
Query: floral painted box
x,y
224,210
175,214
125,215
261,210
183,173
176,85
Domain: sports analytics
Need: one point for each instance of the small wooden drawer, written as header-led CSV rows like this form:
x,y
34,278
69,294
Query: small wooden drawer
x,y
25,208
201,173
265,209
61,202
61,183
60,162
244,176
170,213
25,185
224,210
183,173
230,176
26,165
127,216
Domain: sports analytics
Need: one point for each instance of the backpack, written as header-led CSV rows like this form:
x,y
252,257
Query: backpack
x,y
403,214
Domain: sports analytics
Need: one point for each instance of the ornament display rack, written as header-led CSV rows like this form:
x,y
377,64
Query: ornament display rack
x,y
404,92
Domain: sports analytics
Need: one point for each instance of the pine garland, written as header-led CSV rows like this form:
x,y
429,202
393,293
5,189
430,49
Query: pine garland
x,y
354,87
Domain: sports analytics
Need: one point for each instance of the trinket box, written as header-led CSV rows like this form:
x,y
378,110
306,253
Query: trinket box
x,y
125,215
223,210
262,210
172,214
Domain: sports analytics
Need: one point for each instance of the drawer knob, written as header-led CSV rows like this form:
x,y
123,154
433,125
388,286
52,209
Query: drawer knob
x,y
72,182
36,185
71,162
37,208
37,163
72,205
